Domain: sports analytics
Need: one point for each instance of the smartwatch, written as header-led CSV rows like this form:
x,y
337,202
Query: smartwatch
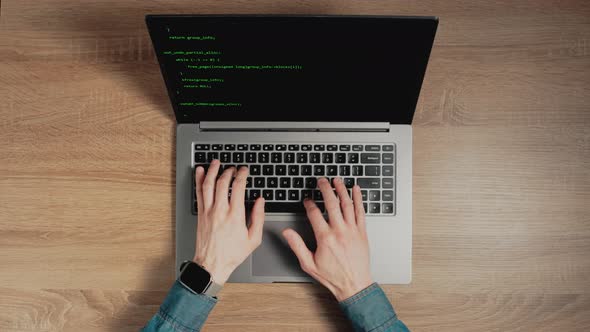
x,y
197,280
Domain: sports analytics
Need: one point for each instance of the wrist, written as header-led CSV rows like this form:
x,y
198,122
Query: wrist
x,y
351,289
219,273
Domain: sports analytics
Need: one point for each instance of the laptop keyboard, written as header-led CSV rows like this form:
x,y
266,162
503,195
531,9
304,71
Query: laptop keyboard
x,y
285,174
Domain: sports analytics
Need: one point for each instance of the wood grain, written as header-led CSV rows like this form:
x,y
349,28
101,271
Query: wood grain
x,y
501,171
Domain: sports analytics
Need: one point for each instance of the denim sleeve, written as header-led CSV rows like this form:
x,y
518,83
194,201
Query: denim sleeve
x,y
182,311
370,310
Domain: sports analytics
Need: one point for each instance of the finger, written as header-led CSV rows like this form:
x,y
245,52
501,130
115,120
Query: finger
x,y
331,202
199,177
304,255
222,188
314,214
345,201
238,191
359,211
209,184
256,222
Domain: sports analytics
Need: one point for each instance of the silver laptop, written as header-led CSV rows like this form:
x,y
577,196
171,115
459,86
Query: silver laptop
x,y
296,98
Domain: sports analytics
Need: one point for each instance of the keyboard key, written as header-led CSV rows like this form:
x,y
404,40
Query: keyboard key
x,y
317,195
387,195
281,170
353,158
306,194
248,182
225,157
332,147
357,170
345,147
255,169
372,148
298,182
319,170
238,157
280,195
267,170
254,194
314,158
365,207
293,195
276,157
250,157
306,170
211,156
200,157
387,158
293,147
387,207
293,169
295,207
332,170
230,147
217,147
267,195
280,147
365,195
268,147
349,182
289,157
302,158
340,158
285,182
387,147
374,208
370,158
259,182
344,170
263,157
387,183
319,147
357,148
368,182
255,147
272,182
242,147
374,195
387,170
327,158
201,147
311,183
372,170
306,147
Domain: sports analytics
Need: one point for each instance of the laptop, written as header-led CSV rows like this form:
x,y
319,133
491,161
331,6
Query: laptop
x,y
296,98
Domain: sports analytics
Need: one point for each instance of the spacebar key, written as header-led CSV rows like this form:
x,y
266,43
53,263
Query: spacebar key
x,y
368,182
284,207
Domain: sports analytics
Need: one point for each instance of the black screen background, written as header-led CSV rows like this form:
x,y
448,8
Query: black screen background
x,y
354,68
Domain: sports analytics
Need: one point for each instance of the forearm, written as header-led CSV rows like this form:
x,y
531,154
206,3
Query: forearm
x,y
182,311
370,310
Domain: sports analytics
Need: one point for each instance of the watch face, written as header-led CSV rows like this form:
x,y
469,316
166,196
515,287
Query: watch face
x,y
195,277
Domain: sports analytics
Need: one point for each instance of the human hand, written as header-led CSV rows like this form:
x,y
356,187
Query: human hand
x,y
223,239
341,260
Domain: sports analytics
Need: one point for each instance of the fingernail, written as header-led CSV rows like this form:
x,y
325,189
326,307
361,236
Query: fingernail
x,y
339,180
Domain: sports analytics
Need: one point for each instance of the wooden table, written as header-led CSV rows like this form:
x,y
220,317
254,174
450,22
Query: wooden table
x,y
501,171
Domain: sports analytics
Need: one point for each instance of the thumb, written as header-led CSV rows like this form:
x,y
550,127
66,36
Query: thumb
x,y
256,222
303,253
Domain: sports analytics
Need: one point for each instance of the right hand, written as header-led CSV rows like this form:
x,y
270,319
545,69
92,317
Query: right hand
x,y
341,260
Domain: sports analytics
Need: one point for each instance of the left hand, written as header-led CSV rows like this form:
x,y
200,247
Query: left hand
x,y
223,239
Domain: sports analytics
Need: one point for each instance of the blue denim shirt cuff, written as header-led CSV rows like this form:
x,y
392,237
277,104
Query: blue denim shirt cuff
x,y
184,310
370,310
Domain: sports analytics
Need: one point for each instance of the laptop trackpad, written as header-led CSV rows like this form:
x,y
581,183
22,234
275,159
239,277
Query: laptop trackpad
x,y
274,257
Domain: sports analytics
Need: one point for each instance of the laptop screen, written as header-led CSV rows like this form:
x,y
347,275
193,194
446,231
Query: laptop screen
x,y
292,68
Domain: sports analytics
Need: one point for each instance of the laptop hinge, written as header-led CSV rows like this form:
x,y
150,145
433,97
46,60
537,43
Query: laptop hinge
x,y
294,126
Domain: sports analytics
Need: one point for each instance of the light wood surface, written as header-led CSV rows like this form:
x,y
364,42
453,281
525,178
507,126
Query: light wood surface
x,y
501,171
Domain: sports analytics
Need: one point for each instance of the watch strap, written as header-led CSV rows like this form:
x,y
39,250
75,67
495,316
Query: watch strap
x,y
213,289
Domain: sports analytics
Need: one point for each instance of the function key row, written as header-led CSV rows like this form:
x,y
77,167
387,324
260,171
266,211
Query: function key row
x,y
293,147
